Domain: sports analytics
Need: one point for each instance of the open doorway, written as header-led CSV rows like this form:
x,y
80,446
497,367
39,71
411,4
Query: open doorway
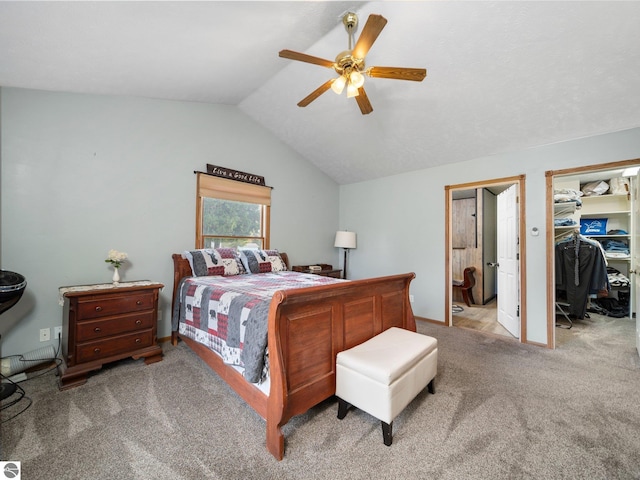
x,y
499,299
617,212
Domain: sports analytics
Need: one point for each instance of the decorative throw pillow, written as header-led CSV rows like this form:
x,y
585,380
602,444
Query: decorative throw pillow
x,y
219,261
262,261
230,259
244,254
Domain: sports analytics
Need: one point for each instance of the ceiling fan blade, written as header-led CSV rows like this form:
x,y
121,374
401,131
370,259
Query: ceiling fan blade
x,y
363,102
398,73
316,93
303,57
371,30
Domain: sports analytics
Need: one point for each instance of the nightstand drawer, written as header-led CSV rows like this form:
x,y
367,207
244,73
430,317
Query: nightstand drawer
x,y
115,304
112,346
94,329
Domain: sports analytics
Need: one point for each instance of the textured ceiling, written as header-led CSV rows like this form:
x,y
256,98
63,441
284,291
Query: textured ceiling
x,y
502,76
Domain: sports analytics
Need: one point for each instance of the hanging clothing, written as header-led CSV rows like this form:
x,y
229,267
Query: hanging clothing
x,y
581,270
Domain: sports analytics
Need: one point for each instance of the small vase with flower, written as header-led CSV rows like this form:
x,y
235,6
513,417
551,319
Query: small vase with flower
x,y
116,259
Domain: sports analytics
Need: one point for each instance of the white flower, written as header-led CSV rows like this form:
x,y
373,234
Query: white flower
x,y
116,258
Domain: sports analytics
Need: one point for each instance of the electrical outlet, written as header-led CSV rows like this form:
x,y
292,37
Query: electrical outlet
x,y
57,333
45,334
411,298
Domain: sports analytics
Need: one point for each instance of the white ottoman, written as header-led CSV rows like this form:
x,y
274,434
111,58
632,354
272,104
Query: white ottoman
x,y
382,375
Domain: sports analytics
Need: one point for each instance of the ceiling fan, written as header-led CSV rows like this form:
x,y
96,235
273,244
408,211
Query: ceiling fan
x,y
350,66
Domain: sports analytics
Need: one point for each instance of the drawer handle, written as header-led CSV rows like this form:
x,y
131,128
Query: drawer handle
x,y
139,302
138,340
96,350
138,322
98,309
97,330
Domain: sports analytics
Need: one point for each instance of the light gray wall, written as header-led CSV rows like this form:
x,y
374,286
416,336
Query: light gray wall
x,y
400,219
82,174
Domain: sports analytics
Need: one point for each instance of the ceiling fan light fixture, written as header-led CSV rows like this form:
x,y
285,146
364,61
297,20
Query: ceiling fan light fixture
x,y
338,84
356,79
352,90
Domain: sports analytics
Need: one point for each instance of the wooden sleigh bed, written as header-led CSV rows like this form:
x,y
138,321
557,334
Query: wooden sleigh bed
x,y
307,327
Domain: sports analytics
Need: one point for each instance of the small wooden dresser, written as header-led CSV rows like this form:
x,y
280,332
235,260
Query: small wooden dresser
x,y
105,323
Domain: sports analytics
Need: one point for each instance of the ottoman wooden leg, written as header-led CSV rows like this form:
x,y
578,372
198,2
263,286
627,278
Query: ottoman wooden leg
x,y
431,387
386,433
342,408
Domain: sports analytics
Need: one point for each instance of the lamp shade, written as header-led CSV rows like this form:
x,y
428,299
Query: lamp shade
x,y
338,84
345,239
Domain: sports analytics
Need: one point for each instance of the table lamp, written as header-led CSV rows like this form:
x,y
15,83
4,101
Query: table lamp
x,y
346,240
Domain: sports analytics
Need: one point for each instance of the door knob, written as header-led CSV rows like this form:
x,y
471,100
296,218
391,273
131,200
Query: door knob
x,y
493,264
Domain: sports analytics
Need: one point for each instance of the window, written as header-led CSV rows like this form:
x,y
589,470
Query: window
x,y
231,213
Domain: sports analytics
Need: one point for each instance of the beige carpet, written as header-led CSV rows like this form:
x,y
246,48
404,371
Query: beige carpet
x,y
501,411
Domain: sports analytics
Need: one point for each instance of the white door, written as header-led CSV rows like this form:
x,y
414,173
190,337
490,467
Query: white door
x,y
508,261
635,248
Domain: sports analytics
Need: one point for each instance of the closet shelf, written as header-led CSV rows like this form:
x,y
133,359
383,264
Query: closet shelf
x,y
607,213
618,259
606,204
607,236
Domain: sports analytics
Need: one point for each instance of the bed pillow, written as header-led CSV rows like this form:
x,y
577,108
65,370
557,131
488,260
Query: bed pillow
x,y
218,261
262,261
244,257
230,258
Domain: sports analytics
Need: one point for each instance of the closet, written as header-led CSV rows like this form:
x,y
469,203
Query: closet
x,y
595,208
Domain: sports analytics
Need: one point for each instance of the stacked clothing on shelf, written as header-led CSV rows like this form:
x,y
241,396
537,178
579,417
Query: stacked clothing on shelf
x,y
564,222
568,195
581,270
615,248
562,216
617,279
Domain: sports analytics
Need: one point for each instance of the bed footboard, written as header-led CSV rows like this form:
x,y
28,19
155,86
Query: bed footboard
x,y
309,327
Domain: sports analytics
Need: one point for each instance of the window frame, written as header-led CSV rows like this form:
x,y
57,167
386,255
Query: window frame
x,y
209,186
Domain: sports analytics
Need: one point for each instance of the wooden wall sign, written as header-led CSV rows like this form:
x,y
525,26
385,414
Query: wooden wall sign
x,y
235,175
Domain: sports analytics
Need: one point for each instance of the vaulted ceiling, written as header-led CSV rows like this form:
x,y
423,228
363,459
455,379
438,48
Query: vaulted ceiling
x,y
502,76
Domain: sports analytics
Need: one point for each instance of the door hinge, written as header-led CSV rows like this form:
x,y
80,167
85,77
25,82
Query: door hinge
x,y
518,311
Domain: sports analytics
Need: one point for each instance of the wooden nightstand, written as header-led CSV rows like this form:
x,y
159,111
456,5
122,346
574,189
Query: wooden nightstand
x,y
105,323
327,270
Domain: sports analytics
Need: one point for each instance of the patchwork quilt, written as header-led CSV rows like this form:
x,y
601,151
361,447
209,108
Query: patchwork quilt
x,y
229,314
